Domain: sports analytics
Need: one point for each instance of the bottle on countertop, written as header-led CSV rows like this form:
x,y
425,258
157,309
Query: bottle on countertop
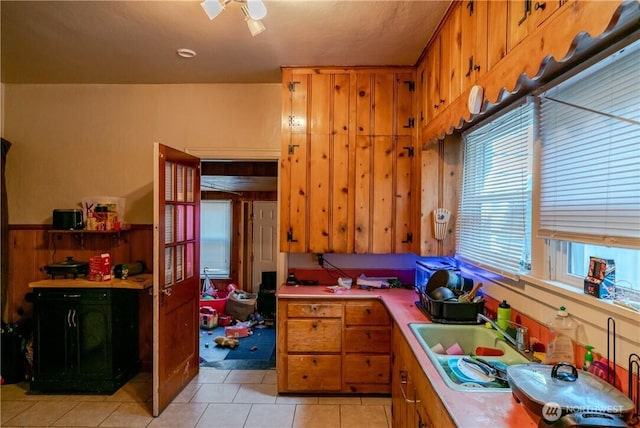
x,y
133,268
563,331
504,315
588,357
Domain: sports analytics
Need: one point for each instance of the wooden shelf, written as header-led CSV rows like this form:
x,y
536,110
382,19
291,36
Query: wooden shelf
x,y
79,234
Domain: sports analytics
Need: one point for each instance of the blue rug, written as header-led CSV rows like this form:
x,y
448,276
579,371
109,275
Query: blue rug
x,y
256,351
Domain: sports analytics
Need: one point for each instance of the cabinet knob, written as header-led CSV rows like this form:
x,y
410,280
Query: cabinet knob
x,y
368,310
314,308
314,326
540,6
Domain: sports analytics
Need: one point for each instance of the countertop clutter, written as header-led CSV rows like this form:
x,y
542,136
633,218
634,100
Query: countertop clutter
x,y
477,409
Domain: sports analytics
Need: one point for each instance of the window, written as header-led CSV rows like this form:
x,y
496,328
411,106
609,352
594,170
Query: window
x,y
494,215
590,168
215,237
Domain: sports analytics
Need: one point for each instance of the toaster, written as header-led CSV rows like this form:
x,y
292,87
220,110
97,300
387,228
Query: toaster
x,y
68,219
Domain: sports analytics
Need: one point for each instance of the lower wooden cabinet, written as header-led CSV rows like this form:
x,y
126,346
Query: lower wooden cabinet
x,y
333,345
414,403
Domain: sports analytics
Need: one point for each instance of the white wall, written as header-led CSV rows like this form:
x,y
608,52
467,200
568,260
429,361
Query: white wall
x,y
75,141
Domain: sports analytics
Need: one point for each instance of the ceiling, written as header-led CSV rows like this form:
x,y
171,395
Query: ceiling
x,y
136,41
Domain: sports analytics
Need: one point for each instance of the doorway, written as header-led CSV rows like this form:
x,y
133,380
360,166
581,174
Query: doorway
x,y
251,189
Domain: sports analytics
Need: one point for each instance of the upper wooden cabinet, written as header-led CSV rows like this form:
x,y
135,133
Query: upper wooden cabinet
x,y
348,139
473,50
526,15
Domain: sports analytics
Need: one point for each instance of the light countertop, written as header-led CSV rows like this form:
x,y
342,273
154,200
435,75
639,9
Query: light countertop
x,y
468,409
135,282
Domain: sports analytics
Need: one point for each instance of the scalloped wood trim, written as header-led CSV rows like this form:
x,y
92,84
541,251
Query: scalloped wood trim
x,y
574,24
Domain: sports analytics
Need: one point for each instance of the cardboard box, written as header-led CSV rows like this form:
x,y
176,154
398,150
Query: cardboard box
x,y
100,267
235,331
601,278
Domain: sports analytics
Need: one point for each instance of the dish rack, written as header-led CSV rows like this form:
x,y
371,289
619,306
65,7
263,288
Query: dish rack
x,y
449,312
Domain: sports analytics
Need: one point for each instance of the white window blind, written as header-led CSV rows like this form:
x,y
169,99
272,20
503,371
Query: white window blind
x,y
590,156
215,237
495,206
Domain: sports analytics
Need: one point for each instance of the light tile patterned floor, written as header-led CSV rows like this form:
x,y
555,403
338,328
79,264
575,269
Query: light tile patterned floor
x,y
214,399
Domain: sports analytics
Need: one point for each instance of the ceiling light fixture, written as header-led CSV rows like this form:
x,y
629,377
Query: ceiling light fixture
x,y
253,10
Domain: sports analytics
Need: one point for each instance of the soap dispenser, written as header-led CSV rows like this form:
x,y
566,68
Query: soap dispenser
x,y
588,357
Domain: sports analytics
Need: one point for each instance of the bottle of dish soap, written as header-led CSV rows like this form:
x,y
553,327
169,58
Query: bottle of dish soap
x,y
562,333
504,315
588,357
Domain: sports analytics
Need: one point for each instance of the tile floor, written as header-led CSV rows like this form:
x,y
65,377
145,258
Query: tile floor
x,y
214,399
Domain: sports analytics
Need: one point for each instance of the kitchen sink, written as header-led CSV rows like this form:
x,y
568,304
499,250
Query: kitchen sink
x,y
456,373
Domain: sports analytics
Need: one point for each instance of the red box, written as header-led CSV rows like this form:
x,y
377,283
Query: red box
x,y
100,267
217,304
236,331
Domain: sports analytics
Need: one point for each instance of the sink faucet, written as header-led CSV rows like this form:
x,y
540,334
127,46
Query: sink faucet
x,y
518,343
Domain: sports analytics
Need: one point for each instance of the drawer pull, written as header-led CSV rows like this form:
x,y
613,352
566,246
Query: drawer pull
x,y
315,361
368,333
368,310
304,376
368,362
314,326
314,308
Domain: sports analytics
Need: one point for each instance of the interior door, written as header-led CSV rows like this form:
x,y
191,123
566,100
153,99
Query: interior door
x,y
265,250
176,287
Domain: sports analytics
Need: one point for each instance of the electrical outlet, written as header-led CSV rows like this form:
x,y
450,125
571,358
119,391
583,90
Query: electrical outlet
x,y
320,259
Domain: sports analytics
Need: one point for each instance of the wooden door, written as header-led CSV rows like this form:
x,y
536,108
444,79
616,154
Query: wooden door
x,y
176,260
265,248
473,56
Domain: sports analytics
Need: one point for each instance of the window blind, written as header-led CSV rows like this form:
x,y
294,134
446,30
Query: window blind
x,y
590,155
495,206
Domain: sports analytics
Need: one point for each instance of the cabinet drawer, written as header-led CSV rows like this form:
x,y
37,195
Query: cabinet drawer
x,y
316,310
313,373
365,339
367,313
314,335
359,368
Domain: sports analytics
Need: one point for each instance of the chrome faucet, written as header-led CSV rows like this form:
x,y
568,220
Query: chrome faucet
x,y
518,343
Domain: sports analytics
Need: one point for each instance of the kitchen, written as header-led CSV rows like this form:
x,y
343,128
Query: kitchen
x,y
112,117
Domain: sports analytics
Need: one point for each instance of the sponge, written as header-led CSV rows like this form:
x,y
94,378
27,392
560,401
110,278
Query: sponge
x,y
489,352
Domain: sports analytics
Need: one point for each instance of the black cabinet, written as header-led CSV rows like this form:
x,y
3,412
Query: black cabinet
x,y
85,340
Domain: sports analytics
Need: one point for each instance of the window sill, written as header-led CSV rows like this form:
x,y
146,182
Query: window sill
x,y
540,299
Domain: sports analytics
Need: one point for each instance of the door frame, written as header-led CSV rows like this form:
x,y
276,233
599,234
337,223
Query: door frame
x,y
248,154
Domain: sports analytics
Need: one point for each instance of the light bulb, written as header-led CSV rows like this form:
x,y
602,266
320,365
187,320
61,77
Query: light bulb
x,y
212,7
256,9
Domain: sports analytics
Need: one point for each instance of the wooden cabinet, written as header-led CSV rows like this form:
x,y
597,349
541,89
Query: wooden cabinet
x,y
526,15
347,168
85,340
333,346
413,399
473,35
496,32
315,161
367,361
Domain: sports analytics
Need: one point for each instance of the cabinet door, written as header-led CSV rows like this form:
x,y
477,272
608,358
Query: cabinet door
x,y
434,100
526,15
384,171
92,330
53,356
497,30
451,80
473,55
315,165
